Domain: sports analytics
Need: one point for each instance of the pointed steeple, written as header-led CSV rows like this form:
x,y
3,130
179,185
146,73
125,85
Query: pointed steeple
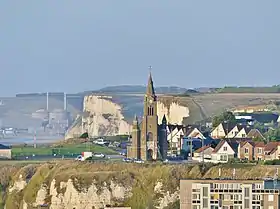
x,y
150,87
164,121
135,121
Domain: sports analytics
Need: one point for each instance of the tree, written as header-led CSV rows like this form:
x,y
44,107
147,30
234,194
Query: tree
x,y
225,116
273,134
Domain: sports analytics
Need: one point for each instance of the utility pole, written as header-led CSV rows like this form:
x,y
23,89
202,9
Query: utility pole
x,y
202,145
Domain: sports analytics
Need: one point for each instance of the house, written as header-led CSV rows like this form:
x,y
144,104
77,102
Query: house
x,y
255,134
246,150
203,152
5,152
265,118
194,132
243,131
224,151
259,153
271,151
174,136
189,145
224,130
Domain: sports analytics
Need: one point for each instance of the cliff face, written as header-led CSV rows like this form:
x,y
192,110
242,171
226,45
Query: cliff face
x,y
103,116
79,185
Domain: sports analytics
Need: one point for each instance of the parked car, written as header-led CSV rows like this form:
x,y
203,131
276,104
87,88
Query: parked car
x,y
127,160
101,142
99,155
138,161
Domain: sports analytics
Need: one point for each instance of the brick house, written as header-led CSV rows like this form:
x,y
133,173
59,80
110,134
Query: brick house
x,y
246,150
259,153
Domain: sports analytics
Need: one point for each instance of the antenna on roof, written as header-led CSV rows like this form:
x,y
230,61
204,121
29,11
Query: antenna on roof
x,y
233,173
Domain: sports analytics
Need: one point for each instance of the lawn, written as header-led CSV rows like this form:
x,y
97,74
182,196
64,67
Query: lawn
x,y
71,149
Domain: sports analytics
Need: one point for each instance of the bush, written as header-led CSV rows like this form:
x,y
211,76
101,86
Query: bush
x,y
272,162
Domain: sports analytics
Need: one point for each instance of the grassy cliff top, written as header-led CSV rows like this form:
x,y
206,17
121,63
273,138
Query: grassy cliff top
x,y
141,179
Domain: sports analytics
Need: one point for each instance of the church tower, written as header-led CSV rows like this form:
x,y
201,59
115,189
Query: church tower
x,y
149,131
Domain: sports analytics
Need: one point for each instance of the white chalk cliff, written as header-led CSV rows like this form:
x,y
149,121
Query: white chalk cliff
x,y
101,117
174,112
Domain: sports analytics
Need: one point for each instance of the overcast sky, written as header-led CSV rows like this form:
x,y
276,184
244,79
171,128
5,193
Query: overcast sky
x,y
71,45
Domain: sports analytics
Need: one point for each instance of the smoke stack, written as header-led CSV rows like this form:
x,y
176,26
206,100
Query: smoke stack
x,y
47,101
65,101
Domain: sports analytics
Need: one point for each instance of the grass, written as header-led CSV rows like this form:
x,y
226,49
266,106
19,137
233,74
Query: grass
x,y
139,179
68,149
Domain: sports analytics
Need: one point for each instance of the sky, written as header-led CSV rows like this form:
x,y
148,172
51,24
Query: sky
x,y
73,46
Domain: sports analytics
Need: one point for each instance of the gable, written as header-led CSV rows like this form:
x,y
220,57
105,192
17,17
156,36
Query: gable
x,y
195,133
218,131
232,133
225,148
241,134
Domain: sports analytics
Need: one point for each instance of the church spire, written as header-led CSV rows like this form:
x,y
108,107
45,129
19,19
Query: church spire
x,y
150,87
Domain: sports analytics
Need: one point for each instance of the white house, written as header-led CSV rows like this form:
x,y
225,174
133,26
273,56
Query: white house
x,y
232,132
224,130
174,136
195,133
205,152
224,151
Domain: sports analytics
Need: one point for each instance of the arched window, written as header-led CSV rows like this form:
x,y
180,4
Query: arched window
x,y
150,136
150,111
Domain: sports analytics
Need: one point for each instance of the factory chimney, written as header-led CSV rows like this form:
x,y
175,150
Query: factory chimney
x,y
47,101
65,101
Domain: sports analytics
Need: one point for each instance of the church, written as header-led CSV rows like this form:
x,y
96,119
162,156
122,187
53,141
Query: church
x,y
149,139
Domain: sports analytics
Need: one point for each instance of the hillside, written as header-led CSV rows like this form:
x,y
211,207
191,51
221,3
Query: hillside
x,y
68,184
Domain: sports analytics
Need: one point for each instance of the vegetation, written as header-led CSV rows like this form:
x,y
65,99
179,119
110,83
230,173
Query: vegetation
x,y
235,89
272,162
67,149
225,116
142,179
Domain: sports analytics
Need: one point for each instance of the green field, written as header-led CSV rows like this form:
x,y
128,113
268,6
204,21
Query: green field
x,y
71,149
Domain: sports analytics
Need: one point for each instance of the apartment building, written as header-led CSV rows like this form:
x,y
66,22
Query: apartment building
x,y
229,194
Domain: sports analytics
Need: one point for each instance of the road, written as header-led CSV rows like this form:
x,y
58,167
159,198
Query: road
x,y
51,157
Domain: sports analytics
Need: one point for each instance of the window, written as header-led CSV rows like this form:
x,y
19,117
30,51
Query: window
x,y
196,197
225,148
205,203
246,192
243,135
205,192
259,150
247,204
256,197
271,197
246,150
270,207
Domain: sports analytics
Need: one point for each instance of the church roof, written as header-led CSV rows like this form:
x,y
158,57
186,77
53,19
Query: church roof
x,y
150,87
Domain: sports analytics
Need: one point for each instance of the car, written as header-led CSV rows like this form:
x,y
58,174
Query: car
x,y
123,153
99,155
165,161
138,161
127,160
79,158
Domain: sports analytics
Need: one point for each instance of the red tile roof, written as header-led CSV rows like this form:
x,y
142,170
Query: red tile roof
x,y
202,149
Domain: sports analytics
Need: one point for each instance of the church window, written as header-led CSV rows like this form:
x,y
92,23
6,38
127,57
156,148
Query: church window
x,y
150,111
150,136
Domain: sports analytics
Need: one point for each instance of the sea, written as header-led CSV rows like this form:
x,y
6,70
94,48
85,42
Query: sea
x,y
30,140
